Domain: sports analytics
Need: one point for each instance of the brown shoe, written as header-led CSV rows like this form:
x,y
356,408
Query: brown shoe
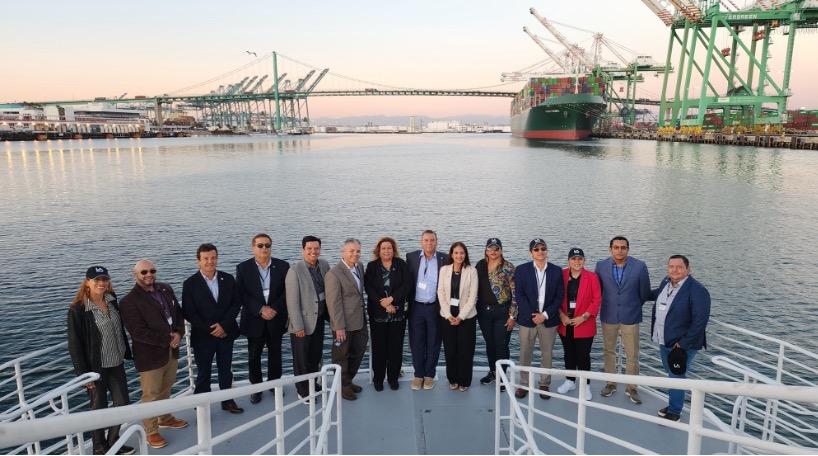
x,y
543,395
232,407
348,393
520,393
417,383
428,383
633,396
356,388
173,423
156,441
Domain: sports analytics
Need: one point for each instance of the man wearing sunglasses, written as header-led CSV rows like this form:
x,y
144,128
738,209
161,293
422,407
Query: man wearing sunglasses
x,y
153,318
260,283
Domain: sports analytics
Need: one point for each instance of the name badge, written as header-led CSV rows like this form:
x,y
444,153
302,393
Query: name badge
x,y
572,305
422,285
266,294
454,302
662,305
321,296
170,321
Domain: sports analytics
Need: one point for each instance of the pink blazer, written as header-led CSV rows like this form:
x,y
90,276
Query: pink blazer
x,y
589,296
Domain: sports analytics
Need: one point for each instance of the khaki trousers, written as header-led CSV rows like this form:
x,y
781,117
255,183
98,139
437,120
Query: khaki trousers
x,y
156,386
630,342
547,338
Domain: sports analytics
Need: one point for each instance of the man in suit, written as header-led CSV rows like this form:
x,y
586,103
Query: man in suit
x,y
346,308
260,282
538,292
681,311
307,308
424,311
625,288
154,320
210,303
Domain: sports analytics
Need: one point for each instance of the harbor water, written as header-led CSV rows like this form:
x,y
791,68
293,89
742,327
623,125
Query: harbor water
x,y
746,217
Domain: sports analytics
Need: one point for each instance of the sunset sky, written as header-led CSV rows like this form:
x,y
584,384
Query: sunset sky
x,y
67,50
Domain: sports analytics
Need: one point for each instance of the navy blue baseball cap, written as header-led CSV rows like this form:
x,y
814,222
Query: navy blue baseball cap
x,y
494,242
96,271
576,252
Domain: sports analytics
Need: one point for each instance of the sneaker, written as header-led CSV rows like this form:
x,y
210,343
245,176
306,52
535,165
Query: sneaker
x,y
609,389
672,416
156,441
463,389
453,386
125,449
428,383
633,395
417,383
588,395
568,385
662,412
488,379
173,423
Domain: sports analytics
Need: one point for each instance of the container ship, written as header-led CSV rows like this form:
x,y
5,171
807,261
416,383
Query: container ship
x,y
564,108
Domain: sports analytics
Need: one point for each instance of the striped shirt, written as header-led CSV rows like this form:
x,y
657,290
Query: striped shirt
x,y
109,324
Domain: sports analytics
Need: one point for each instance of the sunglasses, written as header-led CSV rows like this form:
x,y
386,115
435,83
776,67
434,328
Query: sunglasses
x,y
146,271
539,249
264,246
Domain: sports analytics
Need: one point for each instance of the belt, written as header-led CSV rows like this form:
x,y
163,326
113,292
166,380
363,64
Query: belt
x,y
426,303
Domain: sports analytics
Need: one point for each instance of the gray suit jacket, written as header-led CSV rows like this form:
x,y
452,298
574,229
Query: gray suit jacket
x,y
345,302
302,301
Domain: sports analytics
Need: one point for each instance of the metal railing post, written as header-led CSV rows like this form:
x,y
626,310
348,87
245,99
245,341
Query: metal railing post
x,y
279,404
498,404
694,436
204,432
311,392
581,413
336,377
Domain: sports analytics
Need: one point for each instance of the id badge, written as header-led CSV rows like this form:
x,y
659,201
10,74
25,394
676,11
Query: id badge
x,y
321,296
662,305
572,305
454,302
266,295
422,285
170,321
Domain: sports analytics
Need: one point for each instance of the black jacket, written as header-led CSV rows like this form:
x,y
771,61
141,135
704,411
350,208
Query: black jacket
x,y
202,311
251,296
400,283
85,340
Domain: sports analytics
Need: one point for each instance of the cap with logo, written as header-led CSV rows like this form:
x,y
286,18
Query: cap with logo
x,y
96,271
576,252
677,361
494,242
535,242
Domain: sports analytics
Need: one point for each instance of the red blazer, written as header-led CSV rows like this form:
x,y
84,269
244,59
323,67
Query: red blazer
x,y
589,297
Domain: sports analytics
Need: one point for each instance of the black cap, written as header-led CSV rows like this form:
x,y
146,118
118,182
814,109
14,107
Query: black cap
x,y
576,251
96,271
536,241
494,242
677,361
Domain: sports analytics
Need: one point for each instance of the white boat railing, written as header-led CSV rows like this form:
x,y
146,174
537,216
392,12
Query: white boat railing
x,y
13,434
695,428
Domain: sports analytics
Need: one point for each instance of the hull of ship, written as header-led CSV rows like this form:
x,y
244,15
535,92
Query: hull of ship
x,y
567,118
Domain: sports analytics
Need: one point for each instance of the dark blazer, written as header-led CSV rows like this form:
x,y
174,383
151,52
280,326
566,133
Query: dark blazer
x,y
413,261
525,290
687,318
251,296
150,332
623,304
202,311
85,340
400,283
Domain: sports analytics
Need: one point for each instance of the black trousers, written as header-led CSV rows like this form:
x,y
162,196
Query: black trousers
x,y
255,345
350,353
577,352
111,379
204,350
492,319
387,349
307,353
458,346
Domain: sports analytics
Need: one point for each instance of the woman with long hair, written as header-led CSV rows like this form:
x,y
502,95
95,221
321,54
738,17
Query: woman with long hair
x,y
457,294
387,283
97,343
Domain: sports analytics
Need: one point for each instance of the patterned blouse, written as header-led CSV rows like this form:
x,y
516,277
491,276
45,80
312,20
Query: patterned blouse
x,y
502,284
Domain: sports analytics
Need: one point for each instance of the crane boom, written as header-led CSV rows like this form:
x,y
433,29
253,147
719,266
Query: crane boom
x,y
317,80
659,11
280,78
575,50
258,84
303,81
556,58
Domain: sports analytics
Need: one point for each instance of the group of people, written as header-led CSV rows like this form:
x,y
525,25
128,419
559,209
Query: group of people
x,y
440,297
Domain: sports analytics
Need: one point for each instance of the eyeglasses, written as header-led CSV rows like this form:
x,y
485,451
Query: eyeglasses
x,y
539,249
146,271
263,246
493,249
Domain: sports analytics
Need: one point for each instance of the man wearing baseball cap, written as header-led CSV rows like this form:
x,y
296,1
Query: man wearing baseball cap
x,y
681,310
539,291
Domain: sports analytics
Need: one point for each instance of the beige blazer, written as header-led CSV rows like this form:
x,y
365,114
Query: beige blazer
x,y
468,292
345,302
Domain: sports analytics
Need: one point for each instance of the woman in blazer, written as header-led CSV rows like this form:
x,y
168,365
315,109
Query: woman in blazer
x,y
580,306
457,294
97,343
387,283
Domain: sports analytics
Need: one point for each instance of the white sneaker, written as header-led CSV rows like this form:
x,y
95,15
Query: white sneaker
x,y
588,394
566,386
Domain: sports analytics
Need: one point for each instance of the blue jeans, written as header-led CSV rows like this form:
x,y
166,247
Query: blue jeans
x,y
676,398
